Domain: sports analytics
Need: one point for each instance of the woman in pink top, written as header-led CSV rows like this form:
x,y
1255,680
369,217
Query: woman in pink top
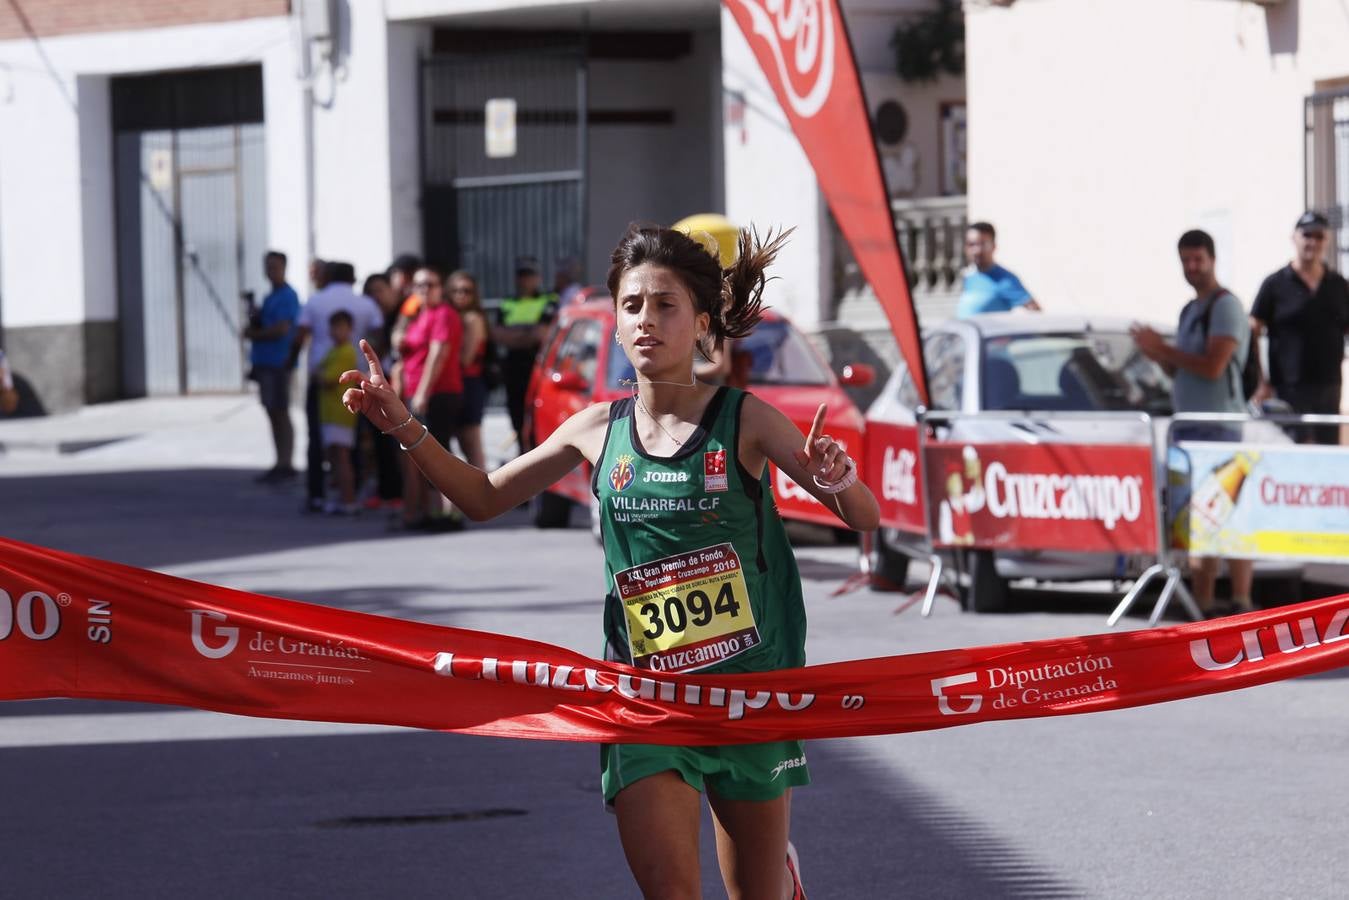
x,y
432,381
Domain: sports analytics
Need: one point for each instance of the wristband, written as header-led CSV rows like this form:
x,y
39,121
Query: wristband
x,y
403,424
848,480
426,432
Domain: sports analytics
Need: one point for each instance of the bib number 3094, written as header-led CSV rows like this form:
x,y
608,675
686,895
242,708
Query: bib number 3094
x,y
687,611
696,608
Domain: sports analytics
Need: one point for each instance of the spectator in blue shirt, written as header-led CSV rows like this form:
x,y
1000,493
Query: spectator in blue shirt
x,y
271,329
988,287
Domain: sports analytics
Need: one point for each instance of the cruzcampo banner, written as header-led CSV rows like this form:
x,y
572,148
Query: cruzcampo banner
x,y
77,627
1042,496
1275,501
803,48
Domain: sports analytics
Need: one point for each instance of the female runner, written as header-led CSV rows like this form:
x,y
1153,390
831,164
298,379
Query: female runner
x,y
680,470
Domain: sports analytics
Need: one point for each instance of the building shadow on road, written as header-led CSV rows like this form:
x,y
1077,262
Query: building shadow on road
x,y
873,833
424,814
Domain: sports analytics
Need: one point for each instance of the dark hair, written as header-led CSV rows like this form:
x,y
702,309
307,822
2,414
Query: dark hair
x,y
371,280
1196,239
732,297
275,254
466,275
342,272
341,317
407,263
983,228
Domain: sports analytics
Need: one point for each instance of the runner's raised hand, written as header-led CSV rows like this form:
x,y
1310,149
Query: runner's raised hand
x,y
373,396
822,456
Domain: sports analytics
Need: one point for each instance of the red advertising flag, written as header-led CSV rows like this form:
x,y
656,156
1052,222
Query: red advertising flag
x,y
803,48
77,627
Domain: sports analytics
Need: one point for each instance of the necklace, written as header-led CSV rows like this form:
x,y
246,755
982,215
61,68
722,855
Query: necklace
x,y
677,442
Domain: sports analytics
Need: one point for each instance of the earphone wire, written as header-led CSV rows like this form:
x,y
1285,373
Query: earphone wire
x,y
637,399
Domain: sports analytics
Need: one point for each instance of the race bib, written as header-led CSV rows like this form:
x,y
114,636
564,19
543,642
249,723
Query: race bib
x,y
688,611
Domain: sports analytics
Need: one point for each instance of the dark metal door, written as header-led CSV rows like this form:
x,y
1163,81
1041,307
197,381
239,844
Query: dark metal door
x,y
480,210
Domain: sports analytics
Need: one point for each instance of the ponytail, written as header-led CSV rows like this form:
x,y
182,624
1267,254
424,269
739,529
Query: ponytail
x,y
743,282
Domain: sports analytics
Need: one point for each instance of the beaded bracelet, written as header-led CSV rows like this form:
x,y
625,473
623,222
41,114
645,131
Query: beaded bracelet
x,y
426,432
848,480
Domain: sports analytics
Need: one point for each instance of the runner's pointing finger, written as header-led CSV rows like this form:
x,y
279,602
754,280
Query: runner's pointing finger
x,y
816,428
808,452
376,370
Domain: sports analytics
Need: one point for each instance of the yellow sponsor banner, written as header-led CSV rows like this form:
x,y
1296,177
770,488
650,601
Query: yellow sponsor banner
x,y
1301,544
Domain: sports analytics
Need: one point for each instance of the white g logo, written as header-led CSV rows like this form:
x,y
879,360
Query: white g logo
x,y
228,632
943,703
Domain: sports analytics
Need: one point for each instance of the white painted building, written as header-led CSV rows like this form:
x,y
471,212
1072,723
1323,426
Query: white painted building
x,y
150,152
1100,130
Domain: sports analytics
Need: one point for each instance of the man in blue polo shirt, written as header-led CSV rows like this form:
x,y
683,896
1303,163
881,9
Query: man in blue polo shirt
x,y
988,287
271,330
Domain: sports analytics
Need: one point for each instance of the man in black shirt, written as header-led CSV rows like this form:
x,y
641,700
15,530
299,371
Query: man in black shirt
x,y
1304,308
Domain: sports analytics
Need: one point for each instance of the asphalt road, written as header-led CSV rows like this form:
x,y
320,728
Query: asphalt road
x,y
1236,795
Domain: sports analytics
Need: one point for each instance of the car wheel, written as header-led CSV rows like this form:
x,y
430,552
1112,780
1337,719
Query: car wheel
x,y
889,567
595,520
987,591
551,511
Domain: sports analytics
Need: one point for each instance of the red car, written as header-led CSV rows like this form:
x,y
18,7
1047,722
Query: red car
x,y
580,364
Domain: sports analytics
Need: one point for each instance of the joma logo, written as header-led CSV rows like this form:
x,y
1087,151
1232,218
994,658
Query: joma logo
x,y
665,476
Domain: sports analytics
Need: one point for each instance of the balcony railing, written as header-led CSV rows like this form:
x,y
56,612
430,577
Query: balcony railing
x,y
931,234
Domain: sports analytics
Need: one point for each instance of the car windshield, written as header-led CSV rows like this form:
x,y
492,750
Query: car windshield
x,y
1075,372
776,353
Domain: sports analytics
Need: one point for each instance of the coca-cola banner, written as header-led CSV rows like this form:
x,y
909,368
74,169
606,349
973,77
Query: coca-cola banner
x,y
1276,501
891,471
1045,496
77,627
802,47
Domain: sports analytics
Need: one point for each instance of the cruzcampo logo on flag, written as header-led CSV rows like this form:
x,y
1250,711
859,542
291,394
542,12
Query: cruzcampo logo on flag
x,y
622,475
714,470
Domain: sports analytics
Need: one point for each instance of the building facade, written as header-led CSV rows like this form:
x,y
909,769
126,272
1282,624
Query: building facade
x,y
1100,130
152,151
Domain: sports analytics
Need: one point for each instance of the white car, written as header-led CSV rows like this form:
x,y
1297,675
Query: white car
x,y
1056,379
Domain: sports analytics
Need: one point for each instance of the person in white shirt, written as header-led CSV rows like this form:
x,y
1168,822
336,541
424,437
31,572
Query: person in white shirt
x,y
338,294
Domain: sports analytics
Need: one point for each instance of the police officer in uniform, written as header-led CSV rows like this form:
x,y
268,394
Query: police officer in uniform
x,y
521,327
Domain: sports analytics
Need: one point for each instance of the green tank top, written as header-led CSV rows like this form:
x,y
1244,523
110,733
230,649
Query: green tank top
x,y
701,576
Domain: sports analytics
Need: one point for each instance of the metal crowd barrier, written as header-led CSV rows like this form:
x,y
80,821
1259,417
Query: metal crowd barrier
x,y
928,551
1166,565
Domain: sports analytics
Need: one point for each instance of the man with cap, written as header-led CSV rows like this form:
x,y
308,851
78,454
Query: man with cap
x,y
522,325
1304,308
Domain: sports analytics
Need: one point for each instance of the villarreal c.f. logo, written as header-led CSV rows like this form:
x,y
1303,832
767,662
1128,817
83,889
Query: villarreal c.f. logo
x,y
622,475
